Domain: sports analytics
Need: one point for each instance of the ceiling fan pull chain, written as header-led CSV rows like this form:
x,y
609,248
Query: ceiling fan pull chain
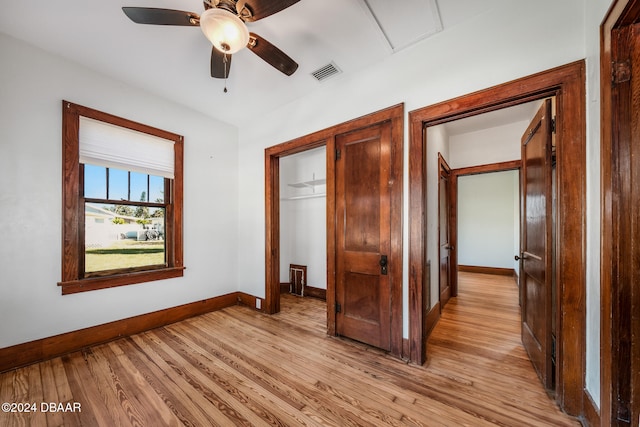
x,y
226,64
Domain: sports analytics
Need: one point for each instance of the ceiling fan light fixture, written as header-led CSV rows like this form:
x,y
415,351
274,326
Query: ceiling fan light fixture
x,y
224,30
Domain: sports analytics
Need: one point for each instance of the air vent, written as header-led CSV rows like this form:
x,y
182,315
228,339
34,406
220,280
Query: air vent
x,y
326,71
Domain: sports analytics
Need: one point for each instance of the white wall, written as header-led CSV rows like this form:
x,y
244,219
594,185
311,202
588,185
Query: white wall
x,y
487,224
594,15
492,145
515,39
303,225
32,87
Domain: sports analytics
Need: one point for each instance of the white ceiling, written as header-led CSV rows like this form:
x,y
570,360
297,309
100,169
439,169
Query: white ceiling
x,y
518,113
173,62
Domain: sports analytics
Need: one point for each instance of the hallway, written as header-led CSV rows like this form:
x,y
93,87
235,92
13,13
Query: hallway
x,y
477,344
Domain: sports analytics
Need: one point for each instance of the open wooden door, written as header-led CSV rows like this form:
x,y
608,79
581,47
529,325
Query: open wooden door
x,y
444,203
536,243
363,235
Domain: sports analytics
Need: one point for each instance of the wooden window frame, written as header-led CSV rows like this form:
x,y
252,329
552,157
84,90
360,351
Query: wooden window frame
x,y
73,277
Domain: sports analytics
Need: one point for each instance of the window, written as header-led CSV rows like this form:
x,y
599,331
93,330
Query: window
x,y
122,201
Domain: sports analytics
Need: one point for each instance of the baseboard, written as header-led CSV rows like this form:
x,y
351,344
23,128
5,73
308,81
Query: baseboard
x,y
47,348
487,270
432,318
249,301
309,291
591,414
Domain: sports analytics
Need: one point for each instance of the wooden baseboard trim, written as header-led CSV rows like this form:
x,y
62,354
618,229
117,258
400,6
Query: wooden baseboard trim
x,y
406,349
249,301
591,414
432,318
310,291
47,348
487,270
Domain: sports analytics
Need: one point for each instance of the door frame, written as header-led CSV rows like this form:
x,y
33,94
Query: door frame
x,y
567,83
468,171
620,132
326,137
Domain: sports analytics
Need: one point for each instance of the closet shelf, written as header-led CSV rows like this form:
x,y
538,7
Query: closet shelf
x,y
305,196
312,184
308,184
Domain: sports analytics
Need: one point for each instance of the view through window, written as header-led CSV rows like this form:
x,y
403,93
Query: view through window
x,y
124,219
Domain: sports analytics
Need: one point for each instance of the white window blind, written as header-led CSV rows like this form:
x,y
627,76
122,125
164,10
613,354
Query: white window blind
x,y
104,144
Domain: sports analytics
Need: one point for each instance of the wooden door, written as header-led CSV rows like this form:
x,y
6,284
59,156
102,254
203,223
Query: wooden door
x,y
363,235
620,278
536,256
444,232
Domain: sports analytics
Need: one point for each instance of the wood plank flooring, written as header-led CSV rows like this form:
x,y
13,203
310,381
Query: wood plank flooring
x,y
240,367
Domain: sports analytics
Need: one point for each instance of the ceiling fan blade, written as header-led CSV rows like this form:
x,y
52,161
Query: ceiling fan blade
x,y
220,65
263,8
271,54
155,16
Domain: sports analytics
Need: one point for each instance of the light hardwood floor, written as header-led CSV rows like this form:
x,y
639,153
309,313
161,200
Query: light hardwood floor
x,y
240,367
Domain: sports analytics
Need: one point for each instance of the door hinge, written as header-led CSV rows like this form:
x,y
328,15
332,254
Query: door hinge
x,y
338,308
338,154
623,412
553,125
620,71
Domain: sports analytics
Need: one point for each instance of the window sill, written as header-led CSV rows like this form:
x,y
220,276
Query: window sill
x,y
95,283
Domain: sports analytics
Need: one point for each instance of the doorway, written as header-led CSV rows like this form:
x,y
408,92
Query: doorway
x,y
303,206
567,84
391,119
477,148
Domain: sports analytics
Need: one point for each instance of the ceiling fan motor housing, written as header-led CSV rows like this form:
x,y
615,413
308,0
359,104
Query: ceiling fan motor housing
x,y
224,29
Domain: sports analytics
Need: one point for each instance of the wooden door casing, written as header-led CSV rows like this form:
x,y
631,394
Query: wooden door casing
x,y
326,137
363,235
567,83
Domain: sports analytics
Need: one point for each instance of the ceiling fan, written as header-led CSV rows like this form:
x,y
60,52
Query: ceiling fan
x,y
223,23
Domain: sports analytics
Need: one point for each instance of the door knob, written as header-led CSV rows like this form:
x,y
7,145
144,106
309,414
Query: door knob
x,y
383,264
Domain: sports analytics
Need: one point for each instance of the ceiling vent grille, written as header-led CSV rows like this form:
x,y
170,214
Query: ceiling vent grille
x,y
326,71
